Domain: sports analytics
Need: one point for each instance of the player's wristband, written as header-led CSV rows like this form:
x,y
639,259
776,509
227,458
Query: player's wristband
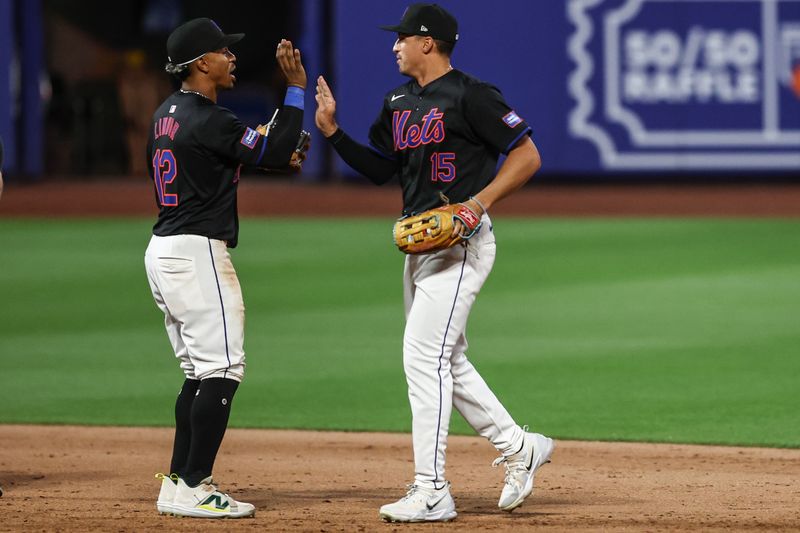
x,y
478,202
295,97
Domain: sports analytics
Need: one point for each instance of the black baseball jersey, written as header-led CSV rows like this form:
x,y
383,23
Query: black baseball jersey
x,y
195,151
446,137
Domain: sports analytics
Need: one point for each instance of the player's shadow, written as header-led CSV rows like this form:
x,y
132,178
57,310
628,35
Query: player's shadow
x,y
373,498
41,480
68,485
469,505
271,496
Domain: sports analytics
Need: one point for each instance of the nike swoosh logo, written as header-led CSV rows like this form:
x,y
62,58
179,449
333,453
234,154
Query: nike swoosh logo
x,y
396,96
530,462
431,506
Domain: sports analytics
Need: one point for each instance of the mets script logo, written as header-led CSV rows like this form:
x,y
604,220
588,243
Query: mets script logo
x,y
687,84
430,131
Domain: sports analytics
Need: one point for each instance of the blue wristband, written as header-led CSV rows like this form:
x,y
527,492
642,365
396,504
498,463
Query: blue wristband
x,y
294,97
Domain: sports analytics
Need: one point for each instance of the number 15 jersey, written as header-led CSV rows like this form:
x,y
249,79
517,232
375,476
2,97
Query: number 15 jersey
x,y
446,137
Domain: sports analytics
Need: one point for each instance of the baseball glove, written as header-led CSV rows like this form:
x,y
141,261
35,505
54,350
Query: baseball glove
x,y
432,230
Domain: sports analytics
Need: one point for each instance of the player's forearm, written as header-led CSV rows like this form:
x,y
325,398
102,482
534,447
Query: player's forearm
x,y
328,128
282,139
522,163
361,159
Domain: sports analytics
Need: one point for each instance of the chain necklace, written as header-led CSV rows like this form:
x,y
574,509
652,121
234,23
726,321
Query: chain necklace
x,y
187,91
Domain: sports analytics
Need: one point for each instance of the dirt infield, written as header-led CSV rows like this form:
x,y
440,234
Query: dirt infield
x,y
132,197
60,478
101,479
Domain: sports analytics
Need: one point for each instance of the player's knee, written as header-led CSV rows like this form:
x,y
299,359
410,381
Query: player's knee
x,y
423,343
423,352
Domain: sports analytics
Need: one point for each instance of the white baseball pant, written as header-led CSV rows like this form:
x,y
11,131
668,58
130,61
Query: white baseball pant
x,y
194,283
439,290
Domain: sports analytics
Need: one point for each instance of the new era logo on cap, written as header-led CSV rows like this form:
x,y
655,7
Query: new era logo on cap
x,y
423,28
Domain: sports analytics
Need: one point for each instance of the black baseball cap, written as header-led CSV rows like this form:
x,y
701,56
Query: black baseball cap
x,y
192,39
430,20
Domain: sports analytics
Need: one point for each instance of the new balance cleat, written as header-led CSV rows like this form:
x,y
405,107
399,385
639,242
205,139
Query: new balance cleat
x,y
167,494
205,501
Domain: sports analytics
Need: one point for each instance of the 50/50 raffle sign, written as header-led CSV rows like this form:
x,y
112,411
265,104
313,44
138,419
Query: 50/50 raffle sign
x,y
687,84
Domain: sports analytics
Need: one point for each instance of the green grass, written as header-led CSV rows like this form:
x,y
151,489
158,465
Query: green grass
x,y
651,330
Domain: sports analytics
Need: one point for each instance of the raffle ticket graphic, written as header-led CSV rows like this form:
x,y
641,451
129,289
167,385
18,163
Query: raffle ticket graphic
x,y
687,84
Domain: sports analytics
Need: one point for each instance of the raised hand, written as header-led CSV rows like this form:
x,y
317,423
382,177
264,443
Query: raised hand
x,y
325,117
289,60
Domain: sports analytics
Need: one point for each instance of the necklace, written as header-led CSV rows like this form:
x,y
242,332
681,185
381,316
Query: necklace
x,y
187,91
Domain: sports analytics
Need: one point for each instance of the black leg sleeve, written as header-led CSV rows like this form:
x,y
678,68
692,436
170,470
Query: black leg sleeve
x,y
210,411
183,425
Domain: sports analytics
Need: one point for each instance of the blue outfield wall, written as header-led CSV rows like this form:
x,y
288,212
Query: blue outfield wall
x,y
21,73
7,35
609,86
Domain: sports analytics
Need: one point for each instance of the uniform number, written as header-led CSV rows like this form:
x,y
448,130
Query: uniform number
x,y
165,168
443,166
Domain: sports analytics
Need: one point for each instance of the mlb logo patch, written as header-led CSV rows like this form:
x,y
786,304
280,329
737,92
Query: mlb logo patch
x,y
250,138
512,119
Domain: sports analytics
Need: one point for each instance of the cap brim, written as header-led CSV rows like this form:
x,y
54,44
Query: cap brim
x,y
232,38
397,29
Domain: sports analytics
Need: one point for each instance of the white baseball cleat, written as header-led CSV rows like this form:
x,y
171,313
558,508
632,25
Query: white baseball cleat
x,y
421,504
521,468
205,501
167,494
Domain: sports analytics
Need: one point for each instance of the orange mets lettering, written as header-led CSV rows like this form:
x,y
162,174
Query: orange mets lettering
x,y
431,129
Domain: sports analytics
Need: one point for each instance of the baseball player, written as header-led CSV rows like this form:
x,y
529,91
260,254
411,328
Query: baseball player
x,y
441,134
195,152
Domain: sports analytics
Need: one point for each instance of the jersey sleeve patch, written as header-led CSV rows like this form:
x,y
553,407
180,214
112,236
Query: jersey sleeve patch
x,y
250,138
512,119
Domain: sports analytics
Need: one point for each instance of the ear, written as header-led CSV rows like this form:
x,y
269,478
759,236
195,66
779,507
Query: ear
x,y
202,65
427,45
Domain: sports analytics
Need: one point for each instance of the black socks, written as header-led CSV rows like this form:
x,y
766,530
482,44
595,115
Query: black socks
x,y
209,420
